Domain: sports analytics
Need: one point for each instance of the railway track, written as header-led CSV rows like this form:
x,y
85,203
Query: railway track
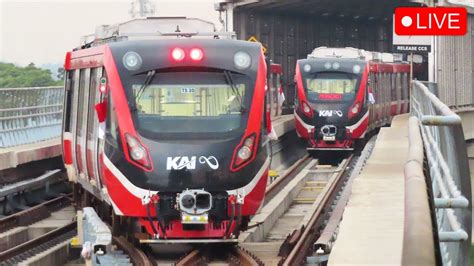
x,y
231,255
35,246
293,213
37,216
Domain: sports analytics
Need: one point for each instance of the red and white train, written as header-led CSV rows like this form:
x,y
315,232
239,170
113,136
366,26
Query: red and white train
x,y
170,132
345,93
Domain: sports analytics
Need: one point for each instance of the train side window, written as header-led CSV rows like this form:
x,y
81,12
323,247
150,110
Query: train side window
x,y
80,119
68,95
405,86
399,86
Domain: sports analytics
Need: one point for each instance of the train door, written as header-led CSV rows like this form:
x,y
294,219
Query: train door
x,y
274,87
398,83
95,97
74,112
378,98
405,93
81,127
391,99
67,127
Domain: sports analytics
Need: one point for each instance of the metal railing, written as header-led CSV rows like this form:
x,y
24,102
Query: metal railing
x,y
29,115
447,160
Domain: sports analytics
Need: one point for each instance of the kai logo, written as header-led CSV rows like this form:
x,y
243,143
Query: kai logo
x,y
330,113
182,162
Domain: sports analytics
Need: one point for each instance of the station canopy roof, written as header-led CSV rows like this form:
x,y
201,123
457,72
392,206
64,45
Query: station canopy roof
x,y
350,8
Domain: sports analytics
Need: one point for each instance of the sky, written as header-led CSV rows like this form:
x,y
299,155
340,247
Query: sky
x,y
42,31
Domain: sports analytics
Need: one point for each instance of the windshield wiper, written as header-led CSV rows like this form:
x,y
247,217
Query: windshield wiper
x,y
235,90
149,78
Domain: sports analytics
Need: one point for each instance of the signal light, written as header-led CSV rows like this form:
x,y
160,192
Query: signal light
x,y
196,54
178,54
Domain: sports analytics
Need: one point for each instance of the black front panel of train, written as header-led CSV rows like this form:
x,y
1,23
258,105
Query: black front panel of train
x,y
188,150
188,164
330,108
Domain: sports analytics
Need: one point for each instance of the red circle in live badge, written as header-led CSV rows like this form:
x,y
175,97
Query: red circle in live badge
x,y
430,21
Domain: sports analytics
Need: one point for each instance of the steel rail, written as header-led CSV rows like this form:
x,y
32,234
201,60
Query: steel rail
x,y
235,255
191,258
308,234
277,185
137,256
34,214
324,243
26,246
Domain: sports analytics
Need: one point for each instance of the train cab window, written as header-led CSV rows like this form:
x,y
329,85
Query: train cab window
x,y
191,102
331,86
111,124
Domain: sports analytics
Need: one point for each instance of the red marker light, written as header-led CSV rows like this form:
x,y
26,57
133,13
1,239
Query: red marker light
x,y
196,54
177,54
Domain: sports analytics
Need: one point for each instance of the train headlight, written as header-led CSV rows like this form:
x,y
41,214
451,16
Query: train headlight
x,y
243,152
132,61
356,69
336,65
327,65
306,108
242,60
137,152
307,67
355,108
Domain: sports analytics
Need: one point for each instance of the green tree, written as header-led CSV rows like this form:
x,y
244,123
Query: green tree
x,y
12,76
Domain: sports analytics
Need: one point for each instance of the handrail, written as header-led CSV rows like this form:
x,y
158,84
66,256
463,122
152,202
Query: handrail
x,y
448,175
418,241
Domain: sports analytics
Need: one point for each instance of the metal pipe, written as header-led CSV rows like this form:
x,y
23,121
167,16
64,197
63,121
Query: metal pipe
x,y
459,202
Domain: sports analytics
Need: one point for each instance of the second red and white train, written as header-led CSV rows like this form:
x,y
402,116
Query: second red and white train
x,y
343,94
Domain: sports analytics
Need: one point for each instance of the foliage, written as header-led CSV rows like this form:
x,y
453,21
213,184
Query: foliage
x,y
12,76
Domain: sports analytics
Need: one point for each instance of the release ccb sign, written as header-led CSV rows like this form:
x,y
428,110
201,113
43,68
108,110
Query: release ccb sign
x,y
414,26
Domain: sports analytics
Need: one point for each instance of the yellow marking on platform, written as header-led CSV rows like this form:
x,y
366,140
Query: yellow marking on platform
x,y
273,173
75,241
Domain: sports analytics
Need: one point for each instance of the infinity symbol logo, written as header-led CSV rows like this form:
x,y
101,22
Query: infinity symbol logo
x,y
211,161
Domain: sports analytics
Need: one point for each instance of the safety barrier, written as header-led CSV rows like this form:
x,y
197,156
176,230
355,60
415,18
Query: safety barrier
x,y
448,174
418,241
29,115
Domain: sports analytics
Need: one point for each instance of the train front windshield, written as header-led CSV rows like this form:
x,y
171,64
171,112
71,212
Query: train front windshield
x,y
197,103
328,86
